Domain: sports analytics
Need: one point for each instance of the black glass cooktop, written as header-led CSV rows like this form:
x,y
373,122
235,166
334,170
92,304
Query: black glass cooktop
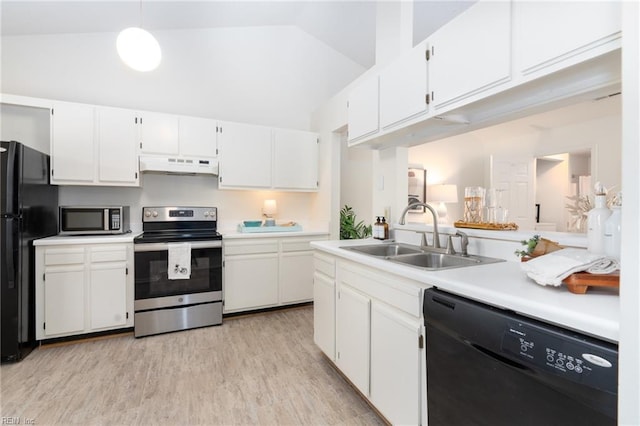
x,y
177,236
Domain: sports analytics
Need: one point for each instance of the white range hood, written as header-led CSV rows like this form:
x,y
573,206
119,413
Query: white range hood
x,y
178,165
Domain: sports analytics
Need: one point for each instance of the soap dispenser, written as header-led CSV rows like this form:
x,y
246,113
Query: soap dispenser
x,y
385,229
595,221
377,229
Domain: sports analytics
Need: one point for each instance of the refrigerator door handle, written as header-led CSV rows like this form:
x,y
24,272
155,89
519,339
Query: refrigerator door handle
x,y
10,258
10,207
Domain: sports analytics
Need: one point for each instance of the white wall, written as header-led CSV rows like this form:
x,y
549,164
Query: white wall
x,y
169,190
273,76
463,159
27,125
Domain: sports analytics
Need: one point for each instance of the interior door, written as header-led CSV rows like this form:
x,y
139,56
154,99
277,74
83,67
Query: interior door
x,y
516,176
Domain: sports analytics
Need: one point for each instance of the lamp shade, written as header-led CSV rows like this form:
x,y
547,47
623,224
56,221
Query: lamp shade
x,y
269,207
138,49
443,193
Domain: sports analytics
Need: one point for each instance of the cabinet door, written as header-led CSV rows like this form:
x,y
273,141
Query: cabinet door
x,y
352,336
64,300
159,133
108,295
198,137
250,281
471,53
295,159
296,277
324,314
245,156
549,32
363,109
395,364
72,144
117,147
403,87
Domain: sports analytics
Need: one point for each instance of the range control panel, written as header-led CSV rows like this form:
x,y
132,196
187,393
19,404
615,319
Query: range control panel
x,y
573,358
184,214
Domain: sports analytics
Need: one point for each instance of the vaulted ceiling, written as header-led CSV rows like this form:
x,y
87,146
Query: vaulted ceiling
x,y
346,26
266,62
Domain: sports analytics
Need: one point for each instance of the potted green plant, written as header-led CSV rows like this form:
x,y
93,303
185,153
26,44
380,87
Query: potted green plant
x,y
350,228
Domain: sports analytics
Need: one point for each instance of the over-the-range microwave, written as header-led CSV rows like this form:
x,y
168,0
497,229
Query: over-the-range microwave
x,y
93,220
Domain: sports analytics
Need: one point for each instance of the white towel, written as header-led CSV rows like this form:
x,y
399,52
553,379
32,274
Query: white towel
x,y
554,267
179,261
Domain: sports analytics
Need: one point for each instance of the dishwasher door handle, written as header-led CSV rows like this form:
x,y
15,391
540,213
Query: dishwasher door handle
x,y
498,357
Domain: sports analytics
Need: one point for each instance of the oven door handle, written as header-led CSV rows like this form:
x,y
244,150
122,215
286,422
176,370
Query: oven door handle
x,y
165,246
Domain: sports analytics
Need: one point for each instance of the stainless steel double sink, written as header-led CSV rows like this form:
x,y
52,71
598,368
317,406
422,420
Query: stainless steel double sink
x,y
427,258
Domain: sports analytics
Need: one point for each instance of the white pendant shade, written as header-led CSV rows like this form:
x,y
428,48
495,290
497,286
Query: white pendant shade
x,y
138,49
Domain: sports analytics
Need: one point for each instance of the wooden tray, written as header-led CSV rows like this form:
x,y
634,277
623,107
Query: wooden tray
x,y
580,282
485,225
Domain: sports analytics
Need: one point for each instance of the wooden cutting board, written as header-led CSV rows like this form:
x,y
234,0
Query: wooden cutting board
x,y
580,282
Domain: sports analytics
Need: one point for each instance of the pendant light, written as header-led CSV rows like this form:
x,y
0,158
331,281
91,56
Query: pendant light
x,y
138,48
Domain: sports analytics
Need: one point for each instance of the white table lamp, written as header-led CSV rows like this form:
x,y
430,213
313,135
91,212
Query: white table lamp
x,y
269,209
442,194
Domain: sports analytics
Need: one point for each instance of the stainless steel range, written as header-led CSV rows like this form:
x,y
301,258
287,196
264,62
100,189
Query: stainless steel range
x,y
178,270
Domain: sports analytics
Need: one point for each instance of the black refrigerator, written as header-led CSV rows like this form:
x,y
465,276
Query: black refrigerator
x,y
29,211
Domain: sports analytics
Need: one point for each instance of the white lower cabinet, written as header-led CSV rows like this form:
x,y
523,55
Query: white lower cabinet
x,y
64,297
324,304
375,320
262,272
352,336
83,288
395,363
251,281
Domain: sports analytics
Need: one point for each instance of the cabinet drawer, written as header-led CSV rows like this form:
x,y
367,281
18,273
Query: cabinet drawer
x,y
296,245
324,264
67,256
392,289
111,254
251,247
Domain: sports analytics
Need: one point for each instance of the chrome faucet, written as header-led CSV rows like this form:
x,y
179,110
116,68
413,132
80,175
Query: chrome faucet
x,y
436,234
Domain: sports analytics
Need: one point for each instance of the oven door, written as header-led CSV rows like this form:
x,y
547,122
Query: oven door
x,y
154,289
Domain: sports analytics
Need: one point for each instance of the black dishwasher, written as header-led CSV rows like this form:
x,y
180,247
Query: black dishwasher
x,y
488,366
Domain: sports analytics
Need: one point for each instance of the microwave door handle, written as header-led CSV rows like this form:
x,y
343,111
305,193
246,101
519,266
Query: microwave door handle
x,y
106,219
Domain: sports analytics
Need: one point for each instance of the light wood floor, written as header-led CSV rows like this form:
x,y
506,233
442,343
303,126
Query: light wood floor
x,y
259,369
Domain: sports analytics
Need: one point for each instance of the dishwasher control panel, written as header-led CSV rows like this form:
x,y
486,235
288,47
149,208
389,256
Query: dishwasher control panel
x,y
575,358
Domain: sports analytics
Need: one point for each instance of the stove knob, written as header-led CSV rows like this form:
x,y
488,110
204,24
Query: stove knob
x,y
155,213
147,213
206,214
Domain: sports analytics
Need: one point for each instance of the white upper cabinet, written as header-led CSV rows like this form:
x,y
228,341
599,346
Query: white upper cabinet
x,y
547,34
93,146
73,144
471,53
117,147
295,159
363,109
159,133
258,157
245,156
403,88
198,137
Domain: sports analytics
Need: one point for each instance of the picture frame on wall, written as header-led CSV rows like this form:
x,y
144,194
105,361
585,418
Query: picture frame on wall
x,y
417,187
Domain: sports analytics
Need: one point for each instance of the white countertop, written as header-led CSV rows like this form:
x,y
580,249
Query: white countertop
x,y
505,285
86,239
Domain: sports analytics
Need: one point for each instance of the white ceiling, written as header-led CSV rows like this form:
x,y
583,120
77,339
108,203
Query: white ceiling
x,y
347,26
